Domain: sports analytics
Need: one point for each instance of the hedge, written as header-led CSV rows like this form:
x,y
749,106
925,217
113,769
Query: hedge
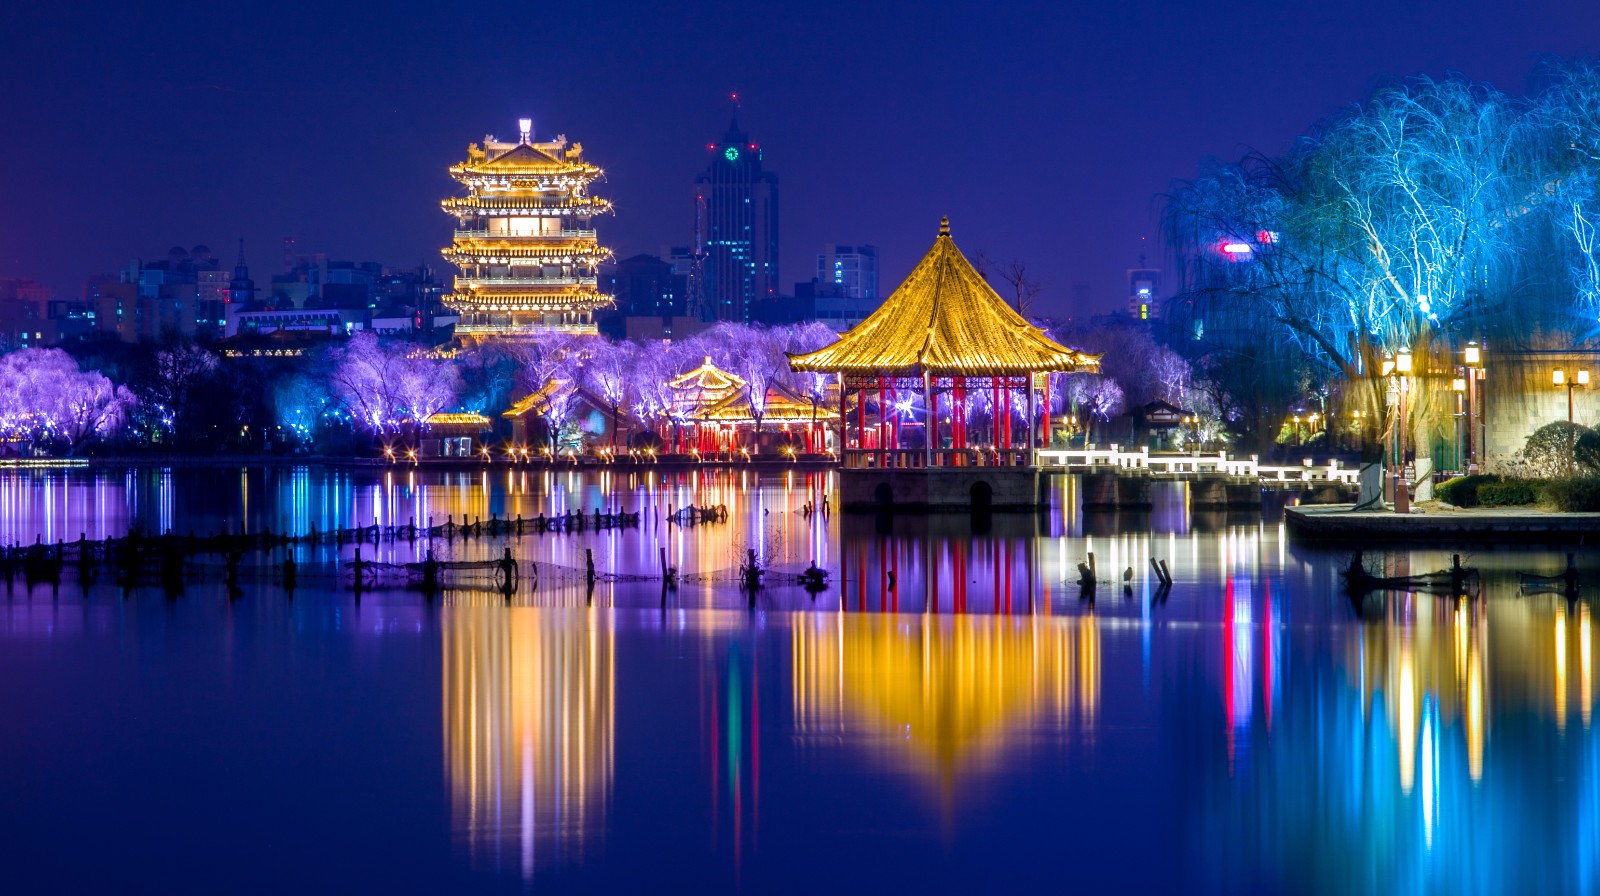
x,y
1580,495
1462,491
1508,494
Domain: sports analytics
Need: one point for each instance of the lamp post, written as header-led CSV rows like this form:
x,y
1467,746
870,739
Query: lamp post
x,y
1402,491
1463,420
1472,363
1580,379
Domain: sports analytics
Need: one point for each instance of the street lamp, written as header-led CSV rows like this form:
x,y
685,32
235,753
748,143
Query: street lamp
x,y
1472,366
1402,492
1579,380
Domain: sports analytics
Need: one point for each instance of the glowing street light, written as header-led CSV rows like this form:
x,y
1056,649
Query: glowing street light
x,y
1579,380
1402,493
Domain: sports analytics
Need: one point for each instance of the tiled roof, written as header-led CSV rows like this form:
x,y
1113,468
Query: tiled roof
x,y
707,377
521,157
944,320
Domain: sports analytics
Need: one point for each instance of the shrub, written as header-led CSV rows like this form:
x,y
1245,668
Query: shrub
x,y
1551,448
1510,493
1576,495
1462,491
1587,451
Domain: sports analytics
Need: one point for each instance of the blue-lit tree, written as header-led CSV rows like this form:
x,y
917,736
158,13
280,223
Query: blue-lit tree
x,y
1395,222
1567,113
610,371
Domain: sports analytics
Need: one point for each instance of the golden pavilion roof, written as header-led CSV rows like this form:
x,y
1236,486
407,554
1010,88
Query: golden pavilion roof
x,y
536,401
524,158
780,405
457,419
944,320
708,377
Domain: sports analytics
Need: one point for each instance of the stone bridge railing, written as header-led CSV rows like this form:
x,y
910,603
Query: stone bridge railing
x,y
1079,460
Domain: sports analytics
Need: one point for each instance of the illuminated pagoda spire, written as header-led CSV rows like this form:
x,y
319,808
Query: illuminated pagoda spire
x,y
526,251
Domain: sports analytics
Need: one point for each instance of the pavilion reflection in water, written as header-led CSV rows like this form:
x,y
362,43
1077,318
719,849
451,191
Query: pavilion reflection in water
x,y
957,655
945,695
529,707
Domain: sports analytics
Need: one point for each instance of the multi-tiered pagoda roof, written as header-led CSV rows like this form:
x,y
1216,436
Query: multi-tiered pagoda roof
x,y
526,251
944,320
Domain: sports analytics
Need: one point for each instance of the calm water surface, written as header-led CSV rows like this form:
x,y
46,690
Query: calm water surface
x,y
950,714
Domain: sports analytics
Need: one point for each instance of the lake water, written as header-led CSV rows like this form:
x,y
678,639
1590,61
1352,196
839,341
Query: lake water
x,y
951,713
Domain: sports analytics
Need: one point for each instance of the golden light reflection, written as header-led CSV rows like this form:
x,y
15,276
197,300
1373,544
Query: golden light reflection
x,y
1406,709
1543,661
529,706
944,694
1561,668
1585,667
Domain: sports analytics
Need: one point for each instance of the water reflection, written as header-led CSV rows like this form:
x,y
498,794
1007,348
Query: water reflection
x,y
943,695
1435,749
529,724
1273,734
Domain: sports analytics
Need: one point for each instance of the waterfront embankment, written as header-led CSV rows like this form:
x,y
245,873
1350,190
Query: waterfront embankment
x,y
1441,522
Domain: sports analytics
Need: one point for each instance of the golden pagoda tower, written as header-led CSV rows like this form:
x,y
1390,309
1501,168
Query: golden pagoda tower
x,y
524,245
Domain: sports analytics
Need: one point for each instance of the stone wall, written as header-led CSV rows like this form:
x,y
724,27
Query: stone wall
x,y
946,489
1519,397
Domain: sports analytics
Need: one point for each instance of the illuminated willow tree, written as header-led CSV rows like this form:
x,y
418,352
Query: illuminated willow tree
x,y
1567,113
1396,222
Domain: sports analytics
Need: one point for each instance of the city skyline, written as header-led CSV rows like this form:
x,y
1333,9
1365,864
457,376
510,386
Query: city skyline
x,y
1046,135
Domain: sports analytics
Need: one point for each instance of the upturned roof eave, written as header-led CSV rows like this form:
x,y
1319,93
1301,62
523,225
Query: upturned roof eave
x,y
856,368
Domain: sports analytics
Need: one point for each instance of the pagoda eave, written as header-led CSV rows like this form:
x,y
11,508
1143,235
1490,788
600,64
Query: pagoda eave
x,y
917,371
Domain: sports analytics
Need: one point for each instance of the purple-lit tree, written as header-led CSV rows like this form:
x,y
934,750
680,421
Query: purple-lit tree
x,y
45,399
610,371
362,379
1092,396
423,386
800,338
758,357
657,363
382,385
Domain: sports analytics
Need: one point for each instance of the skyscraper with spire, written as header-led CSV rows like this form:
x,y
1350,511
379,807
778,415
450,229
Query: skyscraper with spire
x,y
740,238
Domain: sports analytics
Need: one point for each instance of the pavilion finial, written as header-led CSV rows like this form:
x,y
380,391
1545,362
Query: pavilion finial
x,y
944,226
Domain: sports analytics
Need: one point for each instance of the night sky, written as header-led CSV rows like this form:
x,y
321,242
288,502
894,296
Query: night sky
x,y
1046,131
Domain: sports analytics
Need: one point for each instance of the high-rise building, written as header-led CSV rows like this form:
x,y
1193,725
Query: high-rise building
x,y
741,228
645,285
1144,293
24,313
851,270
524,245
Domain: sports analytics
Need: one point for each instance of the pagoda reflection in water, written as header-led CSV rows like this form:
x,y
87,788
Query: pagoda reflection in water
x,y
529,725
945,653
943,694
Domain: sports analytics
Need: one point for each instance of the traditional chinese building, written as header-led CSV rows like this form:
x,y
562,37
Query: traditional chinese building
x,y
525,247
453,435
941,388
713,414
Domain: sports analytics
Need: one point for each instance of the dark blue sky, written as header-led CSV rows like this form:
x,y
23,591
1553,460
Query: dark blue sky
x,y
1044,130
